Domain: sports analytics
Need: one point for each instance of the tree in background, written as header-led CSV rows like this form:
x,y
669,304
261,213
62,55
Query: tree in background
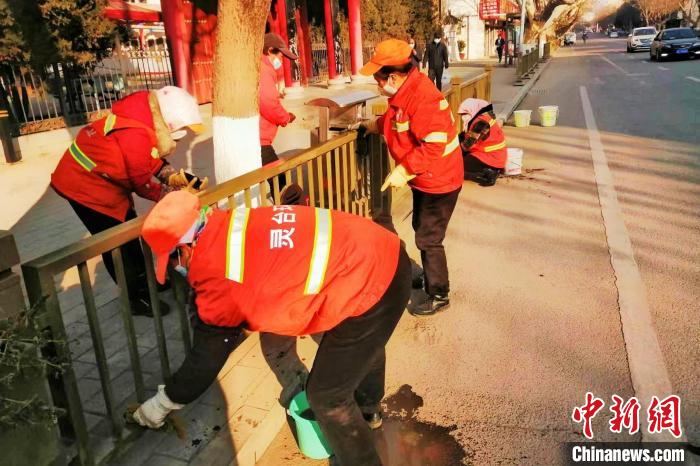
x,y
399,19
553,17
655,11
41,32
691,11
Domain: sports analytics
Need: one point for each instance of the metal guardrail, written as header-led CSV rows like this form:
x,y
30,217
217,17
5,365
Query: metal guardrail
x,y
334,174
527,63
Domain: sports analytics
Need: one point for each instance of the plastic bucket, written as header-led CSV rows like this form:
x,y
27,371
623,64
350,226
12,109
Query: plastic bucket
x,y
548,115
514,164
522,118
312,443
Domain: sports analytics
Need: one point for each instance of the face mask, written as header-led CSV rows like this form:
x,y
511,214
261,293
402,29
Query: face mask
x,y
412,45
437,41
276,63
177,135
388,90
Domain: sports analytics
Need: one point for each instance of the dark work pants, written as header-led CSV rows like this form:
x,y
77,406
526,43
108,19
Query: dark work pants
x,y
347,377
473,166
268,155
435,75
132,254
499,50
431,214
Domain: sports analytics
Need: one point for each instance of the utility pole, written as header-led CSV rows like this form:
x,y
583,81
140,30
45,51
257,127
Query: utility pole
x,y
522,28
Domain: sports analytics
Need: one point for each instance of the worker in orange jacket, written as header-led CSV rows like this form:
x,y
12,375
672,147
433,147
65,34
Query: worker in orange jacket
x,y
483,142
121,154
422,138
289,270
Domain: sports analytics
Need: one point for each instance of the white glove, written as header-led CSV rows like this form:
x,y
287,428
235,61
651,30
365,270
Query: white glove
x,y
153,411
398,178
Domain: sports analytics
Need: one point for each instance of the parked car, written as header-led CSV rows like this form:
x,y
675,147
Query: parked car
x,y
614,34
674,43
640,39
570,38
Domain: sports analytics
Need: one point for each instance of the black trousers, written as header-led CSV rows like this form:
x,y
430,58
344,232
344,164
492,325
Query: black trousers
x,y
431,215
473,166
499,50
132,254
268,155
347,377
435,75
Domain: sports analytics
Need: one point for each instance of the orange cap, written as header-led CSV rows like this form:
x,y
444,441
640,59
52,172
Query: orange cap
x,y
170,219
387,53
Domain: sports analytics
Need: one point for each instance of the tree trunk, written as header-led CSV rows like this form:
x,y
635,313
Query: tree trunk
x,y
235,125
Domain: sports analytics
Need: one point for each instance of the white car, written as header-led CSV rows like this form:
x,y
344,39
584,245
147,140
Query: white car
x,y
570,38
640,39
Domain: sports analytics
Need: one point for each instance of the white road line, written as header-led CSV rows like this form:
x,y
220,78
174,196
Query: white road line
x,y
615,65
646,362
663,68
692,78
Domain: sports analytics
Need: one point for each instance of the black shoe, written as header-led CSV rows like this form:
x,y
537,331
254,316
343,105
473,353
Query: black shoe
x,y
431,306
142,307
487,177
374,420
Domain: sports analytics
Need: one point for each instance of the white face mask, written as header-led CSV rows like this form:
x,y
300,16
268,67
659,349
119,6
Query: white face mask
x,y
412,45
437,41
177,135
276,63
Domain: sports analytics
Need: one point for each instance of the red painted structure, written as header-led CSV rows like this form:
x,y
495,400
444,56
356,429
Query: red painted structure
x,y
190,26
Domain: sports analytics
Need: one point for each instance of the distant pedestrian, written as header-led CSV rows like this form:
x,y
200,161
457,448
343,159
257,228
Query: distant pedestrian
x,y
416,54
500,44
437,59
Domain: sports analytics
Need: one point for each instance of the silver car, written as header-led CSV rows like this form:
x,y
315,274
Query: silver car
x,y
640,39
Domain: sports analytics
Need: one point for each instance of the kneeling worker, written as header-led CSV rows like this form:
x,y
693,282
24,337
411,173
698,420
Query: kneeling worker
x,y
288,270
483,142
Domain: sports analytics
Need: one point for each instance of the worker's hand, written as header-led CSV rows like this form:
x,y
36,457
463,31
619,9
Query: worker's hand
x,y
177,180
292,117
398,178
202,186
371,126
153,411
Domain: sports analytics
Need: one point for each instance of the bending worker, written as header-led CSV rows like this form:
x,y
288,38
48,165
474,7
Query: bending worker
x,y
288,270
483,142
120,154
422,138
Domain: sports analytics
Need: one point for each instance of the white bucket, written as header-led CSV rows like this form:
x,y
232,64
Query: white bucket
x,y
514,164
522,118
548,115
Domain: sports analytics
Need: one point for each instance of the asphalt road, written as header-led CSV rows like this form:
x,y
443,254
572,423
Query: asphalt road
x,y
581,275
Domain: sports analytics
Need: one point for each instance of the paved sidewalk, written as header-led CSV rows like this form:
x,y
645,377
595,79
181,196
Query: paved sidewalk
x,y
238,417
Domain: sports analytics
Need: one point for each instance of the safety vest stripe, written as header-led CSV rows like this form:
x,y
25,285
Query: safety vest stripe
x,y
444,105
436,136
81,158
492,122
321,252
449,148
401,126
109,123
495,147
235,249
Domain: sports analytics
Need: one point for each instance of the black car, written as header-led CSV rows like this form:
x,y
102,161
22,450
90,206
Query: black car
x,y
674,43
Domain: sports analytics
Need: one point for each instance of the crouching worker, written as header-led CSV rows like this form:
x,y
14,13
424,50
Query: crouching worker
x,y
483,142
122,154
288,270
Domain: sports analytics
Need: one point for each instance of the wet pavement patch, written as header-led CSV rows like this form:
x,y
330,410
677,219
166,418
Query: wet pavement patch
x,y
403,440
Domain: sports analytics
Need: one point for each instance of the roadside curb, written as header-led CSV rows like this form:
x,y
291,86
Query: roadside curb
x,y
503,116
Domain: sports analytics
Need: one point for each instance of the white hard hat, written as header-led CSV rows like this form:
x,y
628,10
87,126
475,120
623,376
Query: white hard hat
x,y
179,110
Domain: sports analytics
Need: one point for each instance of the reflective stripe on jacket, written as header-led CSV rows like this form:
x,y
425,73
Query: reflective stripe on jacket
x,y
421,134
492,150
290,270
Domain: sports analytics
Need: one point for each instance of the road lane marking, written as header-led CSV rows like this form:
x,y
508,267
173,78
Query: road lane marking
x,y
692,78
615,65
646,362
663,68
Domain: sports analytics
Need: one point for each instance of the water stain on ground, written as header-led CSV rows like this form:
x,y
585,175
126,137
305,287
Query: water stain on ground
x,y
403,440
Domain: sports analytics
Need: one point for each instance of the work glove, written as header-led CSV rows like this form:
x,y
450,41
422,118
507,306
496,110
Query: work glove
x,y
203,185
398,178
177,180
153,411
371,126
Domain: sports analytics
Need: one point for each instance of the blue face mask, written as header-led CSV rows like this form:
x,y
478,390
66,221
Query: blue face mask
x,y
276,63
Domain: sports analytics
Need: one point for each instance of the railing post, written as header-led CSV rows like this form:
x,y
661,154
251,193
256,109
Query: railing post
x,y
11,154
11,298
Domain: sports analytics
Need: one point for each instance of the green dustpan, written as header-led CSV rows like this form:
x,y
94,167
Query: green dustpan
x,y
312,443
